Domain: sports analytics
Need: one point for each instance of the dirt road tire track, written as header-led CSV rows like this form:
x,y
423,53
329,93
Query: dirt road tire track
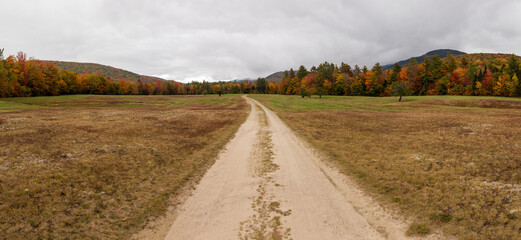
x,y
320,202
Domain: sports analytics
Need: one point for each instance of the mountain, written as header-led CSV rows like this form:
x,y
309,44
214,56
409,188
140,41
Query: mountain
x,y
244,80
107,71
275,77
440,52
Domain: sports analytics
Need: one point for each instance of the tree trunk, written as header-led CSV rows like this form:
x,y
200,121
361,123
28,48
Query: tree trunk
x,y
399,100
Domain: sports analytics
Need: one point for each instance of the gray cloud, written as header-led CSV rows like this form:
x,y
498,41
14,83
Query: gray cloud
x,y
219,40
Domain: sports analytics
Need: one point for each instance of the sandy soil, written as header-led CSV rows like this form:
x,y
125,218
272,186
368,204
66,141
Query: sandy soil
x,y
268,184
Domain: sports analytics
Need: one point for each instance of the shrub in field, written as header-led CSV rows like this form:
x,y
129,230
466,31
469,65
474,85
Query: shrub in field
x,y
400,89
304,93
418,229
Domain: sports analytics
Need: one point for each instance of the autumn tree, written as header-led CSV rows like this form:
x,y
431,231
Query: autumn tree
x,y
8,85
158,88
142,88
328,87
284,83
485,87
357,88
235,88
402,76
21,68
35,79
272,88
500,86
293,86
464,61
340,85
442,85
218,88
374,81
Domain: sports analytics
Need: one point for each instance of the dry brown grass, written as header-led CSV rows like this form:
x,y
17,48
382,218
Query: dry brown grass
x,y
455,169
101,173
482,103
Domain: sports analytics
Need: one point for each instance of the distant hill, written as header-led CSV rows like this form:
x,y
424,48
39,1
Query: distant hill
x,y
440,52
244,80
107,71
275,77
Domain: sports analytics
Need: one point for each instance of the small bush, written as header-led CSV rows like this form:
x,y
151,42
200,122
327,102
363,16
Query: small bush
x,y
442,217
418,229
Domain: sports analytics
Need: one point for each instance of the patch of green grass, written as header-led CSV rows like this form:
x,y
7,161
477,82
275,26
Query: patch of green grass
x,y
296,103
13,105
112,101
361,103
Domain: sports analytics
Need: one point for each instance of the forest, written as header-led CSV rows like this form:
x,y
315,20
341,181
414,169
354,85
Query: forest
x,y
469,74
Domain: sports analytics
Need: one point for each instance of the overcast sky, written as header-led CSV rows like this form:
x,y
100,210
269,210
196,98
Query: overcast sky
x,y
223,40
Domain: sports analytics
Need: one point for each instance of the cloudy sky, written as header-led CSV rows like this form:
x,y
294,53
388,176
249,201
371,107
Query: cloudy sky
x,y
235,39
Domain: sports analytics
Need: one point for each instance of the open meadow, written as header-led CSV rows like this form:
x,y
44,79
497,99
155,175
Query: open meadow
x,y
99,167
448,162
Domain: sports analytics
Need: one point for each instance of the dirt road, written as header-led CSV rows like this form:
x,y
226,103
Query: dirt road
x,y
268,184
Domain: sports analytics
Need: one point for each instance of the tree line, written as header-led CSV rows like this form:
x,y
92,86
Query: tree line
x,y
472,74
23,77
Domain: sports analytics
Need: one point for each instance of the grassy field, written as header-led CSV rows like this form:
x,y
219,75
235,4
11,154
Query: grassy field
x,y
449,162
98,167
